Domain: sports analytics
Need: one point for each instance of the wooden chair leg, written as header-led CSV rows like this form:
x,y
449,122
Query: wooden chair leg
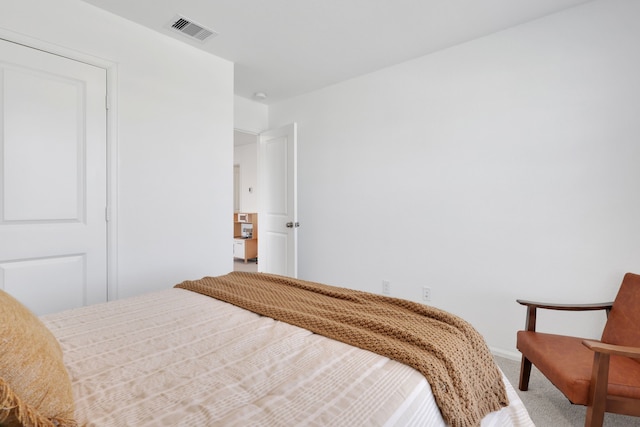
x,y
525,373
598,391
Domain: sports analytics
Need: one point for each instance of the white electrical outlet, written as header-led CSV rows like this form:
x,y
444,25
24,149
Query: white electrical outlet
x,y
386,287
426,293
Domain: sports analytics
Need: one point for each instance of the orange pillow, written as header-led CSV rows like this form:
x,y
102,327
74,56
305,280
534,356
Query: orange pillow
x,y
35,389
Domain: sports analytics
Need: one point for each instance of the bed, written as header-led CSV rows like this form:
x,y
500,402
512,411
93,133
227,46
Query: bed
x,y
192,356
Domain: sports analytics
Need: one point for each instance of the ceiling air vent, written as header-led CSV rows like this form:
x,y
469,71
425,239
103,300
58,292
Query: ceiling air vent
x,y
191,29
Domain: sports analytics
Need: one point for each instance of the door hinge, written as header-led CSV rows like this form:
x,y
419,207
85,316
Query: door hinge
x,y
107,103
107,214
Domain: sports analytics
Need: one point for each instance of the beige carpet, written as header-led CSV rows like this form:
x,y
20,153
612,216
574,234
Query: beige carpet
x,y
548,407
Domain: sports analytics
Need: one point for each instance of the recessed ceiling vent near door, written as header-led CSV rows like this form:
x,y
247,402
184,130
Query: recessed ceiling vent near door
x,y
191,29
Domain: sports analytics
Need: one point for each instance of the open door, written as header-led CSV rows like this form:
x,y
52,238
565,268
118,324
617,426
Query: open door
x,y
277,204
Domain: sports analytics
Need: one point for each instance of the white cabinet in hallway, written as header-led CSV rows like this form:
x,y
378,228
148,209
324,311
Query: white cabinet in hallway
x,y
245,236
245,248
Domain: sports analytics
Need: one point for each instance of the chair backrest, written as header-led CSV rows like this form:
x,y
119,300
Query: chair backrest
x,y
623,324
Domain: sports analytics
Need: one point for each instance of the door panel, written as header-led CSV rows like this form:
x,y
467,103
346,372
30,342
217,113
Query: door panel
x,y
277,166
53,247
276,180
277,243
42,176
58,281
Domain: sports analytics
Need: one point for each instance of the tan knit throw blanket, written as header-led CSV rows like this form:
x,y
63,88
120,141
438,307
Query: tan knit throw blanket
x,y
447,350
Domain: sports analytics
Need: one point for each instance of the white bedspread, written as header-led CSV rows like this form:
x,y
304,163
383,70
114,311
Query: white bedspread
x,y
177,358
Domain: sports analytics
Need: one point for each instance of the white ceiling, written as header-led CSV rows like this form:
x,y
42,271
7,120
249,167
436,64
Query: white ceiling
x,y
286,48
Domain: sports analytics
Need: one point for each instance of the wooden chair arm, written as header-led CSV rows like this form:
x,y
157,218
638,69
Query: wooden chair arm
x,y
532,307
599,400
618,350
568,307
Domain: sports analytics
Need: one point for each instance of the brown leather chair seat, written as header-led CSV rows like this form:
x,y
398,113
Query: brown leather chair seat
x,y
567,363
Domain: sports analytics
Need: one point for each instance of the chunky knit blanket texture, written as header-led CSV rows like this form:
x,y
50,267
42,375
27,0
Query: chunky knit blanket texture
x,y
447,350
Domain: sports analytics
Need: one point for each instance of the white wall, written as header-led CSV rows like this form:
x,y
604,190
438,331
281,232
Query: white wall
x,y
246,156
502,168
174,130
250,116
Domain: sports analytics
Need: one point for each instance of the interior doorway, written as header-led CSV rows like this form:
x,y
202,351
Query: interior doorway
x,y
245,190
267,188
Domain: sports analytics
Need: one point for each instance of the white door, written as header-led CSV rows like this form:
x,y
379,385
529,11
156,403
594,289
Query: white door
x,y
277,207
53,234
